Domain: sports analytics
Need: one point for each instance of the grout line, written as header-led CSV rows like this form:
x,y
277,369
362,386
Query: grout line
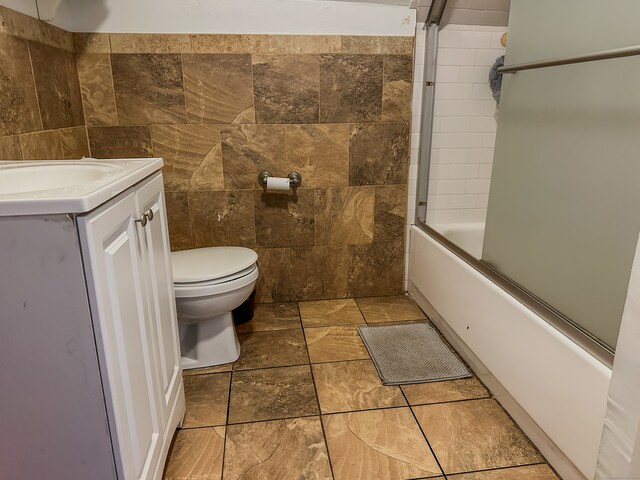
x,y
253,91
270,367
76,57
203,373
226,423
287,366
301,323
191,236
113,84
184,92
201,427
444,402
35,86
391,407
256,332
315,389
190,36
329,325
361,311
424,435
508,467
312,415
348,361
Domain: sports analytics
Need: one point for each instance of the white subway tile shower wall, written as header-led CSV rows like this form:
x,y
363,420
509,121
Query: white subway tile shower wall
x,y
464,124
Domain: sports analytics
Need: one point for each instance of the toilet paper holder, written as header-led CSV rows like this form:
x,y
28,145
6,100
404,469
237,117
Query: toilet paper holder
x,y
295,179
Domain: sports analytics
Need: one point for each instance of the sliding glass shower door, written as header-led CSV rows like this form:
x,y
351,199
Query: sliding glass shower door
x,y
564,206
563,211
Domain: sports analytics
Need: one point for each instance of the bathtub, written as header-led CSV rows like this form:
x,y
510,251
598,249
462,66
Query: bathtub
x,y
555,390
467,236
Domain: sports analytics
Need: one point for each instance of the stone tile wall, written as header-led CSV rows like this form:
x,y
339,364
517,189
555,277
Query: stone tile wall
x,y
40,104
221,108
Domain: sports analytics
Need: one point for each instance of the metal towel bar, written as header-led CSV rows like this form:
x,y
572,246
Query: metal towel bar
x,y
590,57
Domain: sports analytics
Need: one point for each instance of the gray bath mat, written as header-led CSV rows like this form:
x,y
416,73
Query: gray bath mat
x,y
411,353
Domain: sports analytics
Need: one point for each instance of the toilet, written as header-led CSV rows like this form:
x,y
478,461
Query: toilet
x,y
209,283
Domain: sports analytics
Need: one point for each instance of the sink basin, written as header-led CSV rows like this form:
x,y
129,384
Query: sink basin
x,y
39,177
67,186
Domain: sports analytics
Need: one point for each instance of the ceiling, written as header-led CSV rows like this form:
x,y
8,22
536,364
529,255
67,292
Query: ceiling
x,y
405,3
462,12
468,12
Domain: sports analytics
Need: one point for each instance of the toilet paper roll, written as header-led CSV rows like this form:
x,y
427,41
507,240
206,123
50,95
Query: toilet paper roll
x,y
277,183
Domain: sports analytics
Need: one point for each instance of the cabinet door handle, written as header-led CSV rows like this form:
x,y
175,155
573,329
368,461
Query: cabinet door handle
x,y
150,214
143,220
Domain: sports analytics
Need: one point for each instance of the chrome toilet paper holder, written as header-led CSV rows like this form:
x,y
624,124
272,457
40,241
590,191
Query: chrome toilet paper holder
x,y
295,179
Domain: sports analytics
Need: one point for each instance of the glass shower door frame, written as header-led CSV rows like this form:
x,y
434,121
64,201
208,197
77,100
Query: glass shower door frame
x,y
426,121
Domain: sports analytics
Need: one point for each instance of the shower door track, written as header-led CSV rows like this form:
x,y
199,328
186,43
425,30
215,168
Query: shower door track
x,y
560,322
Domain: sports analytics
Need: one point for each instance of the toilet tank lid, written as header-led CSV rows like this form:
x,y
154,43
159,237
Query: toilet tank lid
x,y
210,263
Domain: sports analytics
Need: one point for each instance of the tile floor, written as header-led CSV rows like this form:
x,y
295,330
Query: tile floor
x,y
304,401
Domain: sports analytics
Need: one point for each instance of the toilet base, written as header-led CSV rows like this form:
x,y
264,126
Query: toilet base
x,y
209,343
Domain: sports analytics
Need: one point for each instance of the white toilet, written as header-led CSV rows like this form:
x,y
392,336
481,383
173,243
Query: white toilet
x,y
209,283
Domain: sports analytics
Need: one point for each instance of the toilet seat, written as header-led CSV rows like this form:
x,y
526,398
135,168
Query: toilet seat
x,y
212,270
216,281
217,286
210,263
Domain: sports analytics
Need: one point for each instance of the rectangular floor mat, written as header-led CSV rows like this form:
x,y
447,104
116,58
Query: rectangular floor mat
x,y
411,353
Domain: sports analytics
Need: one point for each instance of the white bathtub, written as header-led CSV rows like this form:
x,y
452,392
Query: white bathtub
x,y
554,389
467,236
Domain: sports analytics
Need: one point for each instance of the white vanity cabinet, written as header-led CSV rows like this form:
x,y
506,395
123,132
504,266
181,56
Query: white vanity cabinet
x,y
129,272
90,376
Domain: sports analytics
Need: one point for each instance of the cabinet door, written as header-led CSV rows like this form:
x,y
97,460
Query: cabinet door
x,y
155,237
120,312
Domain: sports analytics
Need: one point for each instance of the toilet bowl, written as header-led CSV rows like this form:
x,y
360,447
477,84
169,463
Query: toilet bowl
x,y
209,283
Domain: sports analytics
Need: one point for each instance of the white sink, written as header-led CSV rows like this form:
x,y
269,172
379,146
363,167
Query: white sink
x,y
77,186
40,177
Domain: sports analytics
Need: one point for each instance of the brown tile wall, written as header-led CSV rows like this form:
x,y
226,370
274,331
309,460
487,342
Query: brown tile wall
x,y
221,108
41,113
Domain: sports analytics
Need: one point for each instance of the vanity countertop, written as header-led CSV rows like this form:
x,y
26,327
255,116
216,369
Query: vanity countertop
x,y
46,187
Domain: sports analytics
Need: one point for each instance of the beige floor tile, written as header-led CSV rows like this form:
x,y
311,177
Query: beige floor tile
x,y
474,435
378,444
323,313
333,344
271,349
398,308
448,391
227,367
347,386
533,472
279,449
196,454
272,316
273,393
207,397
